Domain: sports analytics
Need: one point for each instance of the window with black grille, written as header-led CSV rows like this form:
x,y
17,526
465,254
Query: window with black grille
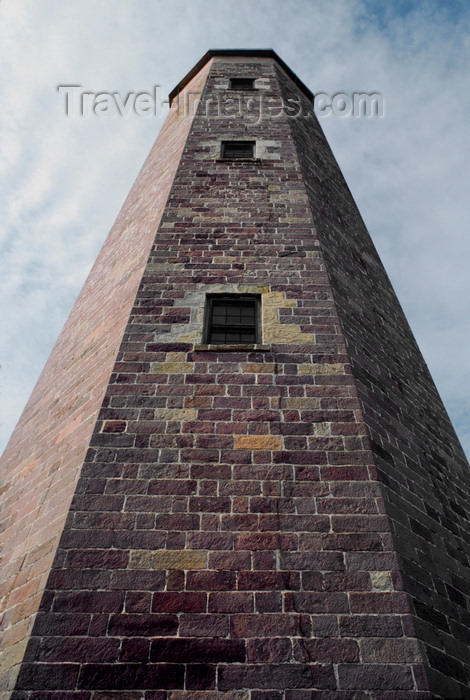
x,y
242,83
232,320
238,150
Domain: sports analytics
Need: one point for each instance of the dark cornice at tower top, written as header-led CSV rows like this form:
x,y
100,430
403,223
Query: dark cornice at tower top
x,y
256,53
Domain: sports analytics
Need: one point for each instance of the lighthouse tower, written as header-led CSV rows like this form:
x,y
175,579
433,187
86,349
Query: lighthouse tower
x,y
235,479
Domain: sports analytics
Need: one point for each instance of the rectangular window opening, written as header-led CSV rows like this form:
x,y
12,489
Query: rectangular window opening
x,y
232,320
238,150
242,83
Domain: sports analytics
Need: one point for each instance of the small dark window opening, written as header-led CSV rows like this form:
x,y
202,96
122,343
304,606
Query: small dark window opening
x,y
238,150
242,83
232,320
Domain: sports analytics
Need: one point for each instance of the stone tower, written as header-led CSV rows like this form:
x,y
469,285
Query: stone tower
x,y
235,479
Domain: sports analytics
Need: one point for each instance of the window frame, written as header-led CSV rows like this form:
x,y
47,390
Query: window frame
x,y
208,325
233,86
224,144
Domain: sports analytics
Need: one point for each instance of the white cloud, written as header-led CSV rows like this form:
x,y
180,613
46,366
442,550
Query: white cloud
x,y
62,180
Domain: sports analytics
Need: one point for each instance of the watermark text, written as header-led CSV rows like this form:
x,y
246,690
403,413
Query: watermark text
x,y
224,105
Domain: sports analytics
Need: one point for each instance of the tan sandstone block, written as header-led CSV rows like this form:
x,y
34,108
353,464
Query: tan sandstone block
x,y
176,357
322,429
381,580
182,559
175,414
284,333
321,369
252,289
278,300
296,196
141,559
171,367
270,317
258,442
307,404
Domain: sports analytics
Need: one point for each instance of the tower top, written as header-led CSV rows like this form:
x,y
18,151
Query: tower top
x,y
255,53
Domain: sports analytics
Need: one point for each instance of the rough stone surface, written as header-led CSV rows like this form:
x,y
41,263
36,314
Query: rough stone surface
x,y
421,467
43,459
244,527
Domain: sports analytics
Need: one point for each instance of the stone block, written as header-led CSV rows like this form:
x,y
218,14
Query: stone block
x,y
258,442
168,559
171,367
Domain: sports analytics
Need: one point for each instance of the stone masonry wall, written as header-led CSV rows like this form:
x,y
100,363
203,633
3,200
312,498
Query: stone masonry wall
x,y
42,461
421,466
228,538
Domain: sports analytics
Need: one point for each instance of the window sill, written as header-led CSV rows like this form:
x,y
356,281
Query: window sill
x,y
238,160
233,348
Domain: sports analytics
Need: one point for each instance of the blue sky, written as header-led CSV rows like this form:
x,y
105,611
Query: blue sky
x,y
383,13
63,179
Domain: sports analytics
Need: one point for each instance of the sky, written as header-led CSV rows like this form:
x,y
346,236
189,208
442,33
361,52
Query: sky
x,y
64,178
